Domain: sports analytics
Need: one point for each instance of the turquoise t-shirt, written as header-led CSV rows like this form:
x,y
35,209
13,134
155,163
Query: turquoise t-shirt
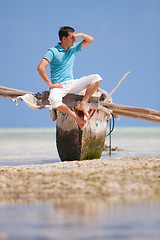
x,y
61,62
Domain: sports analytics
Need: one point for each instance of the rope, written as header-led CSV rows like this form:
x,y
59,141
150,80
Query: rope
x,y
112,126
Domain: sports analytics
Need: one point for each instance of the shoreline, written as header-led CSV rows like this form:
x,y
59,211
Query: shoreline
x,y
115,180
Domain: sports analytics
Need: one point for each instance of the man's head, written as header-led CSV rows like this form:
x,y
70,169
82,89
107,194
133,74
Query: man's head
x,y
66,35
64,32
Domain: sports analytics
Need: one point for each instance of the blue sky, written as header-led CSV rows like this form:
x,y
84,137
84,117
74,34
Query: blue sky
x,y
126,38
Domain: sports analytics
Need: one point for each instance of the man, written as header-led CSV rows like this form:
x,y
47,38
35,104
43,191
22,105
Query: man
x,y
61,59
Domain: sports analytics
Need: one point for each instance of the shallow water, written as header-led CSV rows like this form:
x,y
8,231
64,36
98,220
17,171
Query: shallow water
x,y
80,219
20,146
77,219
136,141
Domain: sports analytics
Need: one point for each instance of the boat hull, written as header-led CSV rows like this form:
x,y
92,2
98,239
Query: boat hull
x,y
74,143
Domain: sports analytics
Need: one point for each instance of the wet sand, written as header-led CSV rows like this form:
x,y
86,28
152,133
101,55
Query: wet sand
x,y
115,180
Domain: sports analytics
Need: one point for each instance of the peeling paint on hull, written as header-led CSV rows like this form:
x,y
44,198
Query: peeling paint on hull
x,y
74,143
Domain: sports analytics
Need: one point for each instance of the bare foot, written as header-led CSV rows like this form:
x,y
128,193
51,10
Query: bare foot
x,y
82,107
79,121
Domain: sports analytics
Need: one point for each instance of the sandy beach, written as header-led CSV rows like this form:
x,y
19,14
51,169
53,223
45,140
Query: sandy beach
x,y
116,180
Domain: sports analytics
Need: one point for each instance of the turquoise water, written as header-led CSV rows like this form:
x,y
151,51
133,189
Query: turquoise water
x,y
20,146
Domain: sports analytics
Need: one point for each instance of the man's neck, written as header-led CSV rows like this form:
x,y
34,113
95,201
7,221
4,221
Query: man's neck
x,y
63,45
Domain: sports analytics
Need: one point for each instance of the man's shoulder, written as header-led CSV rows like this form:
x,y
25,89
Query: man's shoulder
x,y
51,53
53,49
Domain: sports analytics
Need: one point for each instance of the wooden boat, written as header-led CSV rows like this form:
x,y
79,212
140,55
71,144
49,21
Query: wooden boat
x,y
74,143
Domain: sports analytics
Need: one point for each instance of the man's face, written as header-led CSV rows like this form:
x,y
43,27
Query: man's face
x,y
70,39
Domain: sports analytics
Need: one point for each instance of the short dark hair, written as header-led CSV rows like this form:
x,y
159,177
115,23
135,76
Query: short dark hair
x,y
64,31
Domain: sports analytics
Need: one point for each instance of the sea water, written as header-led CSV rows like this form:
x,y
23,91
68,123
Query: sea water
x,y
19,146
81,220
77,219
135,142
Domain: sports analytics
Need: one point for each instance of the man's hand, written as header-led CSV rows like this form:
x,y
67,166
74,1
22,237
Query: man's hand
x,y
56,85
78,34
87,39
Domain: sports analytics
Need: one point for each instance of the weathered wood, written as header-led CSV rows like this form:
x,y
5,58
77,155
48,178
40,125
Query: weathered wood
x,y
106,111
9,89
74,143
119,107
72,100
10,92
44,97
135,115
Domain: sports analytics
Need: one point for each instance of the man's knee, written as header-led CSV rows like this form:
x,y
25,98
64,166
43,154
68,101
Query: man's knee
x,y
53,100
95,79
98,77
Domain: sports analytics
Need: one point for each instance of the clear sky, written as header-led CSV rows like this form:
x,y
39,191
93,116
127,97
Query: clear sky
x,y
126,38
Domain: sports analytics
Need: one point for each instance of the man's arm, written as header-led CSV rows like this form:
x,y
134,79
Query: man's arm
x,y
87,39
42,72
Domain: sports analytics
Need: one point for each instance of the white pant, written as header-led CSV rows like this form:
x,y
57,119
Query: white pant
x,y
71,86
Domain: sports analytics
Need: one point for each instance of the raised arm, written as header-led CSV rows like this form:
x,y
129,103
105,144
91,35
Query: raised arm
x,y
87,39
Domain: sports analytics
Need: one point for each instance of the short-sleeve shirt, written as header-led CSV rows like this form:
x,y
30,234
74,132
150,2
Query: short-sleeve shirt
x,y
61,62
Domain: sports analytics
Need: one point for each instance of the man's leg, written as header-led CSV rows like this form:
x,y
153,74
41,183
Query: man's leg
x,y
55,99
89,91
89,83
63,108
